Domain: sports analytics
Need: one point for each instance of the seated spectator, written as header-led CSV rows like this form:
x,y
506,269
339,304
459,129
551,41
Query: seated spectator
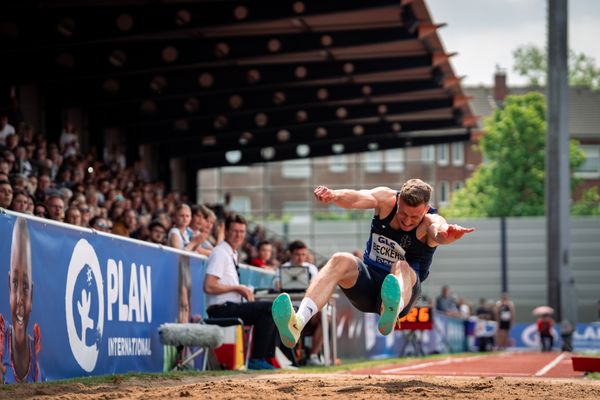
x,y
73,216
19,201
127,223
100,224
264,258
158,233
40,210
227,298
43,186
298,257
446,304
56,207
6,194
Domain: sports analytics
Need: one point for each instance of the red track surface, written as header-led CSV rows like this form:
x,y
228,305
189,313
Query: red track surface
x,y
552,365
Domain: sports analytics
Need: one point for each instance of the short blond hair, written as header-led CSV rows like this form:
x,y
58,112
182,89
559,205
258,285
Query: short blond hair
x,y
415,192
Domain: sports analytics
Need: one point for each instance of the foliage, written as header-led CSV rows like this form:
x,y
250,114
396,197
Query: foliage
x,y
511,180
532,62
589,204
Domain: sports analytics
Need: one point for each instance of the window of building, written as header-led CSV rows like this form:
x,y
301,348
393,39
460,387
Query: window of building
x,y
428,153
241,204
442,153
235,170
296,169
443,193
338,163
394,160
373,161
299,211
458,185
590,168
458,154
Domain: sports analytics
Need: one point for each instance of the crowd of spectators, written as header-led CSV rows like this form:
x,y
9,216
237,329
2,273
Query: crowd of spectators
x,y
58,181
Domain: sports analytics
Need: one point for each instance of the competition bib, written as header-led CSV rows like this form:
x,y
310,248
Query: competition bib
x,y
384,250
505,316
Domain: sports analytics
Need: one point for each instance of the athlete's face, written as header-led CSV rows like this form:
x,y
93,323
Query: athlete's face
x,y
20,291
410,217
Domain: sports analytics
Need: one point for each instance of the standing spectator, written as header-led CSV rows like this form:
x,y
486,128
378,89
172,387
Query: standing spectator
x,y
446,304
566,334
6,194
484,311
56,207
227,298
483,332
544,326
505,317
463,308
180,235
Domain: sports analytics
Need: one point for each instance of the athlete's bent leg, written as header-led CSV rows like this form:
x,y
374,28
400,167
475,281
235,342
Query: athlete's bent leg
x,y
396,292
339,270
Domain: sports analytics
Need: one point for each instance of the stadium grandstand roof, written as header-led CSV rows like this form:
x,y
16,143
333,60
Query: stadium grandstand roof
x,y
238,82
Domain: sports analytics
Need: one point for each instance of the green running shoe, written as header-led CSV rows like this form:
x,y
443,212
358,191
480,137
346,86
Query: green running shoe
x,y
285,320
390,297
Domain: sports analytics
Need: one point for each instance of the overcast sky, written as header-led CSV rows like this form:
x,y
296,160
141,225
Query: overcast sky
x,y
485,32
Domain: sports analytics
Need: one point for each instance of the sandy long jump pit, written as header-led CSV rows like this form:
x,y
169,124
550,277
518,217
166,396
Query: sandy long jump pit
x,y
304,386
502,376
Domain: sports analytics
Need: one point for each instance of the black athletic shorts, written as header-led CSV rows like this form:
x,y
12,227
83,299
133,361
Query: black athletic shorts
x,y
365,295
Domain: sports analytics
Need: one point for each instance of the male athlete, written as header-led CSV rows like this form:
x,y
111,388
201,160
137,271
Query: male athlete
x,y
405,232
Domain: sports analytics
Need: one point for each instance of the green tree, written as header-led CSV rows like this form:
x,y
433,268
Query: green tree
x,y
589,204
532,62
511,180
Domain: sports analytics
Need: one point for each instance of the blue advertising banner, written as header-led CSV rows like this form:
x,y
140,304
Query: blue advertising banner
x,y
84,303
585,336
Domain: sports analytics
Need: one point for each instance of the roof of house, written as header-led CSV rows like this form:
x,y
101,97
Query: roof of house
x,y
584,107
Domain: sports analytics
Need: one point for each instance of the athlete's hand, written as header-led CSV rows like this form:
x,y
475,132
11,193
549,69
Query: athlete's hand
x,y
452,233
324,194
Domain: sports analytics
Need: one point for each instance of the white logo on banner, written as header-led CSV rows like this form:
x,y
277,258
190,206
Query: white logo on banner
x,y
84,259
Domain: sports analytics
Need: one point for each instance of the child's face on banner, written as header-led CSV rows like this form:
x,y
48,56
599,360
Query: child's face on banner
x,y
20,289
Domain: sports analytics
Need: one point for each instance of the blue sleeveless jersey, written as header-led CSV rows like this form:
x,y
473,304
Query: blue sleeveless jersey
x,y
387,245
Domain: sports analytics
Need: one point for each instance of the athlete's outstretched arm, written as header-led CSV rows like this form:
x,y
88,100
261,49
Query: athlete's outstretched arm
x,y
443,233
348,198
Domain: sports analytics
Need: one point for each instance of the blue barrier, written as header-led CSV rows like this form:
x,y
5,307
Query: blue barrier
x,y
87,303
586,337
